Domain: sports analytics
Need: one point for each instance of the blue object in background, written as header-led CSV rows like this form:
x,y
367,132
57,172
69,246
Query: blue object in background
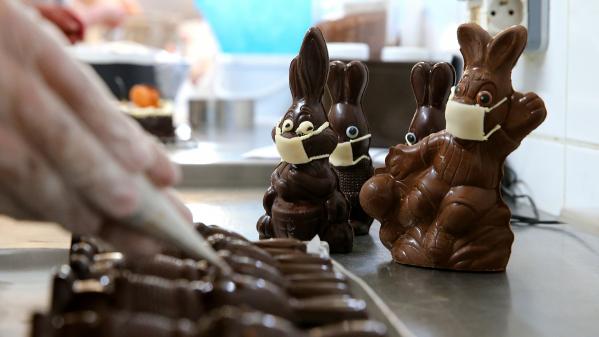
x,y
258,26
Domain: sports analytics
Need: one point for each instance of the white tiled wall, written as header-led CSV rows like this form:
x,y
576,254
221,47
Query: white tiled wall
x,y
542,174
560,160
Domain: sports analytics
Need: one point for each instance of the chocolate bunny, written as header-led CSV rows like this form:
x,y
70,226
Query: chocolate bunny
x,y
304,198
431,84
350,159
439,200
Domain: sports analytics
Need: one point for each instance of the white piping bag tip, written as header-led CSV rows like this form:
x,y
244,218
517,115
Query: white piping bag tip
x,y
159,218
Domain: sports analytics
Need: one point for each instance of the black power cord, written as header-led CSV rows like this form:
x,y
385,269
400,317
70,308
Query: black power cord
x,y
509,189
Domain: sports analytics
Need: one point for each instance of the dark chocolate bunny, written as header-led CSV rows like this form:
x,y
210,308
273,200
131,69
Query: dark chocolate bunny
x,y
439,200
431,84
350,159
304,198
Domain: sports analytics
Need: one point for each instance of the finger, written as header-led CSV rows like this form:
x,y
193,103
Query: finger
x,y
163,172
131,242
51,128
85,95
121,135
32,190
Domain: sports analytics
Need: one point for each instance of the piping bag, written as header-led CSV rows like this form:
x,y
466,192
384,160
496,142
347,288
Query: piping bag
x,y
158,217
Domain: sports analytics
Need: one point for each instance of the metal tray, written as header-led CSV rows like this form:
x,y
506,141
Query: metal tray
x,y
377,309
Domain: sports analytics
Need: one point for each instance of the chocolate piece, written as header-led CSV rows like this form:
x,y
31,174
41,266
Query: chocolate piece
x,y
232,322
223,322
439,201
110,324
242,248
291,269
319,277
350,159
282,243
151,294
302,258
317,289
208,231
329,309
255,268
354,328
304,198
431,84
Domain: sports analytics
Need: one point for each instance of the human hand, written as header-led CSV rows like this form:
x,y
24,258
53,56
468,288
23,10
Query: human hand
x,y
67,154
66,20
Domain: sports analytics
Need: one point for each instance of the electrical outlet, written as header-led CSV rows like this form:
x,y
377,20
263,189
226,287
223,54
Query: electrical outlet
x,y
497,15
502,14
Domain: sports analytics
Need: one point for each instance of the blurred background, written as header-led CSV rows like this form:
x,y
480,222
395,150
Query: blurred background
x,y
220,71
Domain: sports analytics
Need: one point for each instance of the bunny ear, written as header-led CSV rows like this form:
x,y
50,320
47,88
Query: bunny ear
x,y
357,80
336,81
505,49
442,78
419,78
294,84
313,65
473,41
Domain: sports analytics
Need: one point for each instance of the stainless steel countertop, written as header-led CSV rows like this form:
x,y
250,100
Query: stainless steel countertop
x,y
551,286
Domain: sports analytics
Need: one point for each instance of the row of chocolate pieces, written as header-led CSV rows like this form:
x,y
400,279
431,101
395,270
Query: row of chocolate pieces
x,y
277,289
226,321
325,161
438,198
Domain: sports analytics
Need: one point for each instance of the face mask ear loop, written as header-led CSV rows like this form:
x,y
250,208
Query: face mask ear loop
x,y
490,133
498,126
359,139
496,105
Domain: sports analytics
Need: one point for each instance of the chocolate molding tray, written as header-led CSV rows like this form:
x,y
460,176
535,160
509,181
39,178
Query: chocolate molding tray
x,y
27,273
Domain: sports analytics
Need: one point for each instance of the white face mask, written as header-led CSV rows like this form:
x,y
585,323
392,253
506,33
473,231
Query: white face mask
x,y
467,121
343,154
292,150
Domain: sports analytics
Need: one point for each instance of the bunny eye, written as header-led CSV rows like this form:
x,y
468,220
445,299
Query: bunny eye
x,y
287,125
352,131
411,138
484,98
305,127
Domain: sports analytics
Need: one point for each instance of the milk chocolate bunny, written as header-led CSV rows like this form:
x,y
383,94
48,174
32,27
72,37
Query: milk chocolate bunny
x,y
350,158
439,200
431,84
304,198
